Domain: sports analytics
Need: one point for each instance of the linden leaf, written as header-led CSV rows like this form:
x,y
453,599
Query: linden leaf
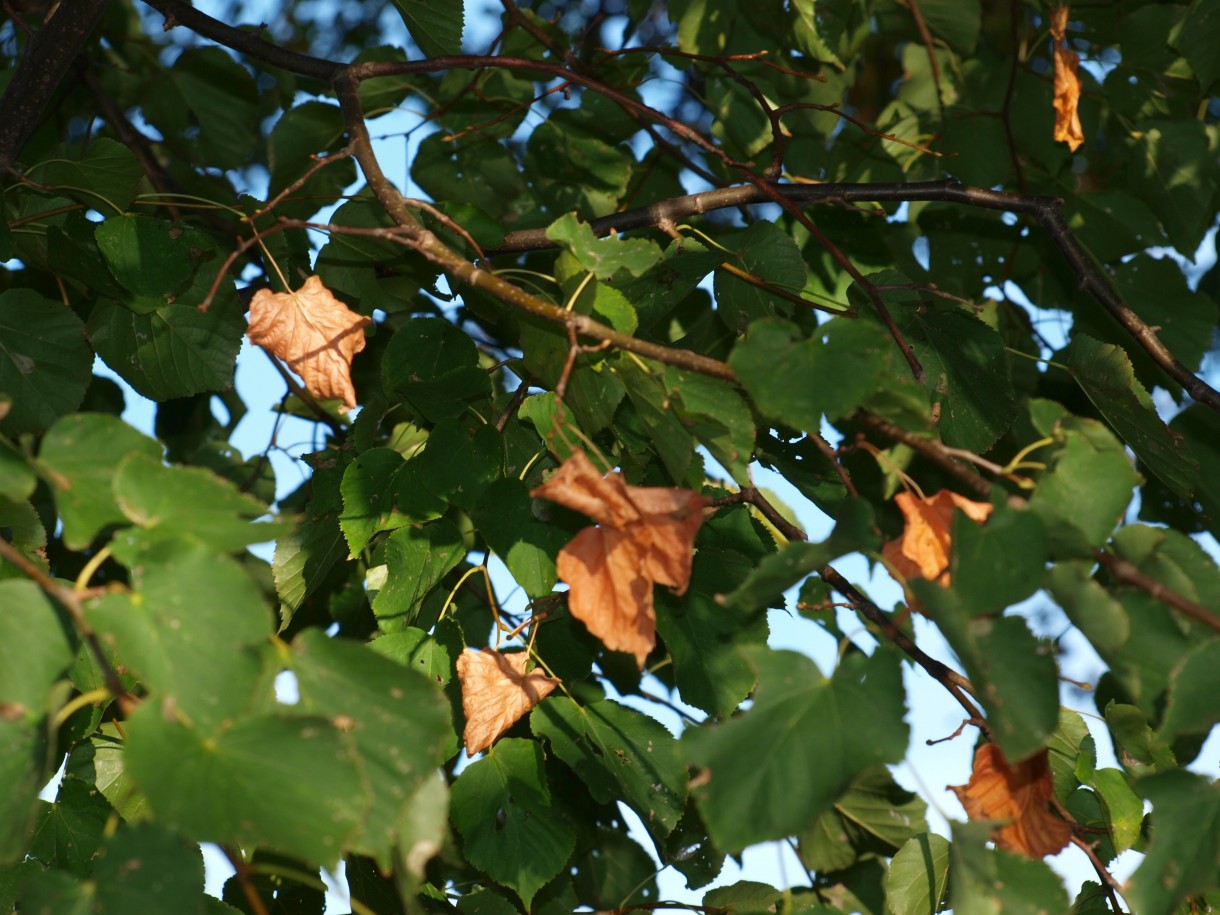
x,y
1020,795
315,333
647,537
496,691
1067,84
923,549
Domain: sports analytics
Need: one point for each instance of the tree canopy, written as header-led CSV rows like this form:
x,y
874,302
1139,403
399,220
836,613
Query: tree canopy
x,y
940,265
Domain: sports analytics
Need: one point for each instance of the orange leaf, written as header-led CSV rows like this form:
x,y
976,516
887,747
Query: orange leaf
x,y
923,549
315,333
646,537
1067,84
496,691
1021,795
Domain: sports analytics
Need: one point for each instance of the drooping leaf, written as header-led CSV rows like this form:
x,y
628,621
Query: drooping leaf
x,y
646,537
1019,794
315,333
923,549
984,881
1067,84
496,691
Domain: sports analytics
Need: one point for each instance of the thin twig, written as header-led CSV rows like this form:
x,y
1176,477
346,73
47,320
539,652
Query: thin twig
x,y
1125,572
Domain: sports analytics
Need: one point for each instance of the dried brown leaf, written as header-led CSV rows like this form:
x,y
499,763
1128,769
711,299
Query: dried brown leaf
x,y
1067,84
315,333
1019,794
646,537
496,691
923,549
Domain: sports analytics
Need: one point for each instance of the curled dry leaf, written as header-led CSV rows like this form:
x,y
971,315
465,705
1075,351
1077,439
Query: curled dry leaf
x,y
1067,84
1019,794
315,333
496,691
923,549
646,537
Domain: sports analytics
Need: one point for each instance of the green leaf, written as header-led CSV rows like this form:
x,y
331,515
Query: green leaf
x,y
304,132
382,492
34,651
703,637
461,459
1197,38
1099,616
776,573
189,502
416,559
603,257
1183,857
918,876
174,351
189,628
303,559
1014,674
669,436
501,806
45,364
966,372
106,174
526,545
1193,705
435,26
875,816
434,367
796,382
70,831
1140,750
620,754
147,256
988,882
743,898
1124,809
399,728
1087,489
820,734
286,783
209,102
1169,160
573,170
767,253
956,21
717,416
999,563
79,457
616,872
1105,374
101,762
17,478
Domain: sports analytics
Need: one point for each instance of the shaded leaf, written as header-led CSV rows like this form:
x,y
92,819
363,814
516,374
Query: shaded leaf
x,y
45,364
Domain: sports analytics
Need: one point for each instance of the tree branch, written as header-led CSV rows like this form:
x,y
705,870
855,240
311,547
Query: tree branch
x,y
1047,212
48,55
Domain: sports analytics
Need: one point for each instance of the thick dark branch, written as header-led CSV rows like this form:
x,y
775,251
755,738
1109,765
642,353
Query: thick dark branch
x,y
47,57
178,13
